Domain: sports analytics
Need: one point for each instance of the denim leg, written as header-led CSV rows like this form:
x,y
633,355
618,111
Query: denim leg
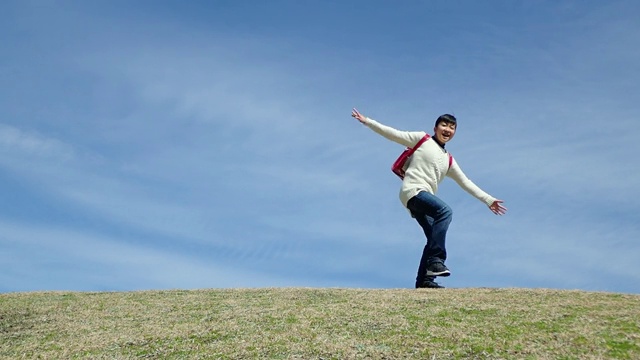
x,y
434,216
422,277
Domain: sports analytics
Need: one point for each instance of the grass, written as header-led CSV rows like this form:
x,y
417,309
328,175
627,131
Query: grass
x,y
304,323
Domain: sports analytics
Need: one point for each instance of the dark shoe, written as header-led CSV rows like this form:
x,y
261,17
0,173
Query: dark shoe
x,y
437,269
430,285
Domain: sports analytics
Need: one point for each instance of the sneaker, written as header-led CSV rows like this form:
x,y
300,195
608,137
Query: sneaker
x,y
437,269
430,284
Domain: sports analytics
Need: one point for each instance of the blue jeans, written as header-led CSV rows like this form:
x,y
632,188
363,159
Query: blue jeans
x,y
434,216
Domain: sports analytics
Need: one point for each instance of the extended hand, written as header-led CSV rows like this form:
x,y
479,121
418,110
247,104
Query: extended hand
x,y
497,207
358,116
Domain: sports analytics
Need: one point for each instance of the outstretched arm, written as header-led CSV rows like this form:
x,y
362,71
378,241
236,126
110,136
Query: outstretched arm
x,y
494,204
406,138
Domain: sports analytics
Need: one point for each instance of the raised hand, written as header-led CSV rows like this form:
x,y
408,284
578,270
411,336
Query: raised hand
x,y
497,207
356,114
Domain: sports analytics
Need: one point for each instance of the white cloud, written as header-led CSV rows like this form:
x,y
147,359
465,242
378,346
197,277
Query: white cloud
x,y
24,144
64,259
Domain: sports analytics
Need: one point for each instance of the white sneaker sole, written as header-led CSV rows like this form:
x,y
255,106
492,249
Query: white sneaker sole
x,y
441,273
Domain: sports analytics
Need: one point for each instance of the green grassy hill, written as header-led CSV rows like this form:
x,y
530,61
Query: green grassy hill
x,y
321,324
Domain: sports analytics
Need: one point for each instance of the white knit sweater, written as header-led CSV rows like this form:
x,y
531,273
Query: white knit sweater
x,y
428,166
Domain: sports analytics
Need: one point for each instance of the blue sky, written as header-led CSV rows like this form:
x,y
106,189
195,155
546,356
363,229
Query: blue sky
x,y
209,144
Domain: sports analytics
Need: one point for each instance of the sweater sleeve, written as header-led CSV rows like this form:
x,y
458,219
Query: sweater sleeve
x,y
406,138
456,174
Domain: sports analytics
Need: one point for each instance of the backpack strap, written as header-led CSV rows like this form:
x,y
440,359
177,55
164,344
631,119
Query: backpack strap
x,y
425,138
420,142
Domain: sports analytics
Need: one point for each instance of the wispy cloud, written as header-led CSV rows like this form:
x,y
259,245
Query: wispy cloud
x,y
16,142
67,259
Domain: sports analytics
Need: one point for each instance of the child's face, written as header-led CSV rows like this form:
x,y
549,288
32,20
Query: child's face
x,y
444,131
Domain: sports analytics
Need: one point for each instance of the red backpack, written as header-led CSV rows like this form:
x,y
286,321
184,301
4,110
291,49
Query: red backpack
x,y
398,165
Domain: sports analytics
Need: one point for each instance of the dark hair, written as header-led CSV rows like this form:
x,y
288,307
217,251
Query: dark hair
x,y
447,118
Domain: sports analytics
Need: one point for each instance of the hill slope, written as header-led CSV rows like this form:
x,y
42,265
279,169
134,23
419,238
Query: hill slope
x,y
322,324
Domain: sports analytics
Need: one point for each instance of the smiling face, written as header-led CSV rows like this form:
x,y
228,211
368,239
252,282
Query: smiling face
x,y
444,131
